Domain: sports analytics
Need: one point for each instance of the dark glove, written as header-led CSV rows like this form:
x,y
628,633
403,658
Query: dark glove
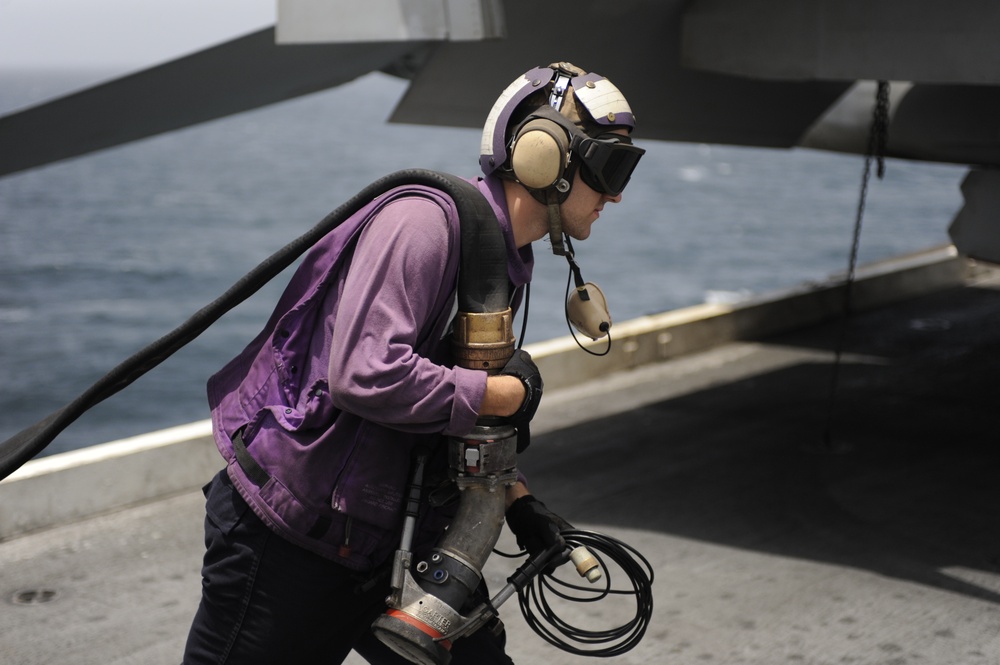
x,y
536,527
523,367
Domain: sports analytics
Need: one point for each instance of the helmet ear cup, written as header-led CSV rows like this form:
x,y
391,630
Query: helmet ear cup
x,y
540,153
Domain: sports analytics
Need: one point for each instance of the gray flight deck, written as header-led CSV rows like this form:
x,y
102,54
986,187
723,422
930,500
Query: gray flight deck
x,y
785,525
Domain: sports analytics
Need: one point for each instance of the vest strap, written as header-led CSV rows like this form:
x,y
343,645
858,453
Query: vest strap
x,y
254,471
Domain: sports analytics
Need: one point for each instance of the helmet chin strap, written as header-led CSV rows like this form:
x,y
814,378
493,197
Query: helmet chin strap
x,y
555,225
553,198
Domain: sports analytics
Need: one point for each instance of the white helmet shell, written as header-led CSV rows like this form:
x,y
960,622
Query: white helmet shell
x,y
606,105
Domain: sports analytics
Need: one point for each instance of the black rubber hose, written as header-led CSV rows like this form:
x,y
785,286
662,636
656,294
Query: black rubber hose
x,y
483,284
30,441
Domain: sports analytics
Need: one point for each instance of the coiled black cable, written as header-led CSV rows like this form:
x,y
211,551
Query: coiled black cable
x,y
542,618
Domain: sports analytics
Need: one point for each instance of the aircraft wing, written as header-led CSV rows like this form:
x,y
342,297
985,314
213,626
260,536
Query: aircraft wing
x,y
771,73
638,45
240,75
768,73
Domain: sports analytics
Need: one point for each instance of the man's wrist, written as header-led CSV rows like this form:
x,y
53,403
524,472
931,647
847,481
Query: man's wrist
x,y
504,396
515,492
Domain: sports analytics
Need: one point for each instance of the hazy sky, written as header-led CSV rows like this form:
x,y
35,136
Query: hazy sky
x,y
120,33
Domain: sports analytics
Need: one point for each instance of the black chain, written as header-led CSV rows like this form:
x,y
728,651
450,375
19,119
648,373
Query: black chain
x,y
878,137
880,128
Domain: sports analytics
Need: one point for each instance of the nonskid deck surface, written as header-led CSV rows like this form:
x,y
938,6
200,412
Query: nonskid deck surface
x,y
783,525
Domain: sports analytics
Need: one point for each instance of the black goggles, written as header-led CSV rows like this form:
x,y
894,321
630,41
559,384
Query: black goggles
x,y
608,162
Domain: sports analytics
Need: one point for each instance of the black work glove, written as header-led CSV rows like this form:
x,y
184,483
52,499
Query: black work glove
x,y
536,528
523,367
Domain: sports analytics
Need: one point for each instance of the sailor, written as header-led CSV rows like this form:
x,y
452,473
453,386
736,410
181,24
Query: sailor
x,y
318,417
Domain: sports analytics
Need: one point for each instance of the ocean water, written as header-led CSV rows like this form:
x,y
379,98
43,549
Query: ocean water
x,y
101,255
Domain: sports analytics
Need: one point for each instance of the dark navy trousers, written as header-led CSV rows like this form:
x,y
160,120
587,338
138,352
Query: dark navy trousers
x,y
266,600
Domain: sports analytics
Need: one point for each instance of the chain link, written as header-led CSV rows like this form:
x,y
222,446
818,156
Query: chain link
x,y
878,138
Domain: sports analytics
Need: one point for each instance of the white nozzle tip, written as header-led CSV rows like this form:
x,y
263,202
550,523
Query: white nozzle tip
x,y
585,564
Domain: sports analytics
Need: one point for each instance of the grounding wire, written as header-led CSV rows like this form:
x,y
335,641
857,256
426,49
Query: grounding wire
x,y
542,617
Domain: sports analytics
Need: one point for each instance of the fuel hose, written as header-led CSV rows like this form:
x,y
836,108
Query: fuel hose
x,y
32,440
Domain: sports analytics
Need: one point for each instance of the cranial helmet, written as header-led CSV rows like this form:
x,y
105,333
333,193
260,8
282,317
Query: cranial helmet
x,y
547,126
553,121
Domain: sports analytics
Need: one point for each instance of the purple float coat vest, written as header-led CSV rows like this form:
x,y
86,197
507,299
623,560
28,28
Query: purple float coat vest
x,y
352,371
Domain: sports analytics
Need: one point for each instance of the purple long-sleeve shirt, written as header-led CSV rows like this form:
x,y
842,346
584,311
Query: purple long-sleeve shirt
x,y
354,370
